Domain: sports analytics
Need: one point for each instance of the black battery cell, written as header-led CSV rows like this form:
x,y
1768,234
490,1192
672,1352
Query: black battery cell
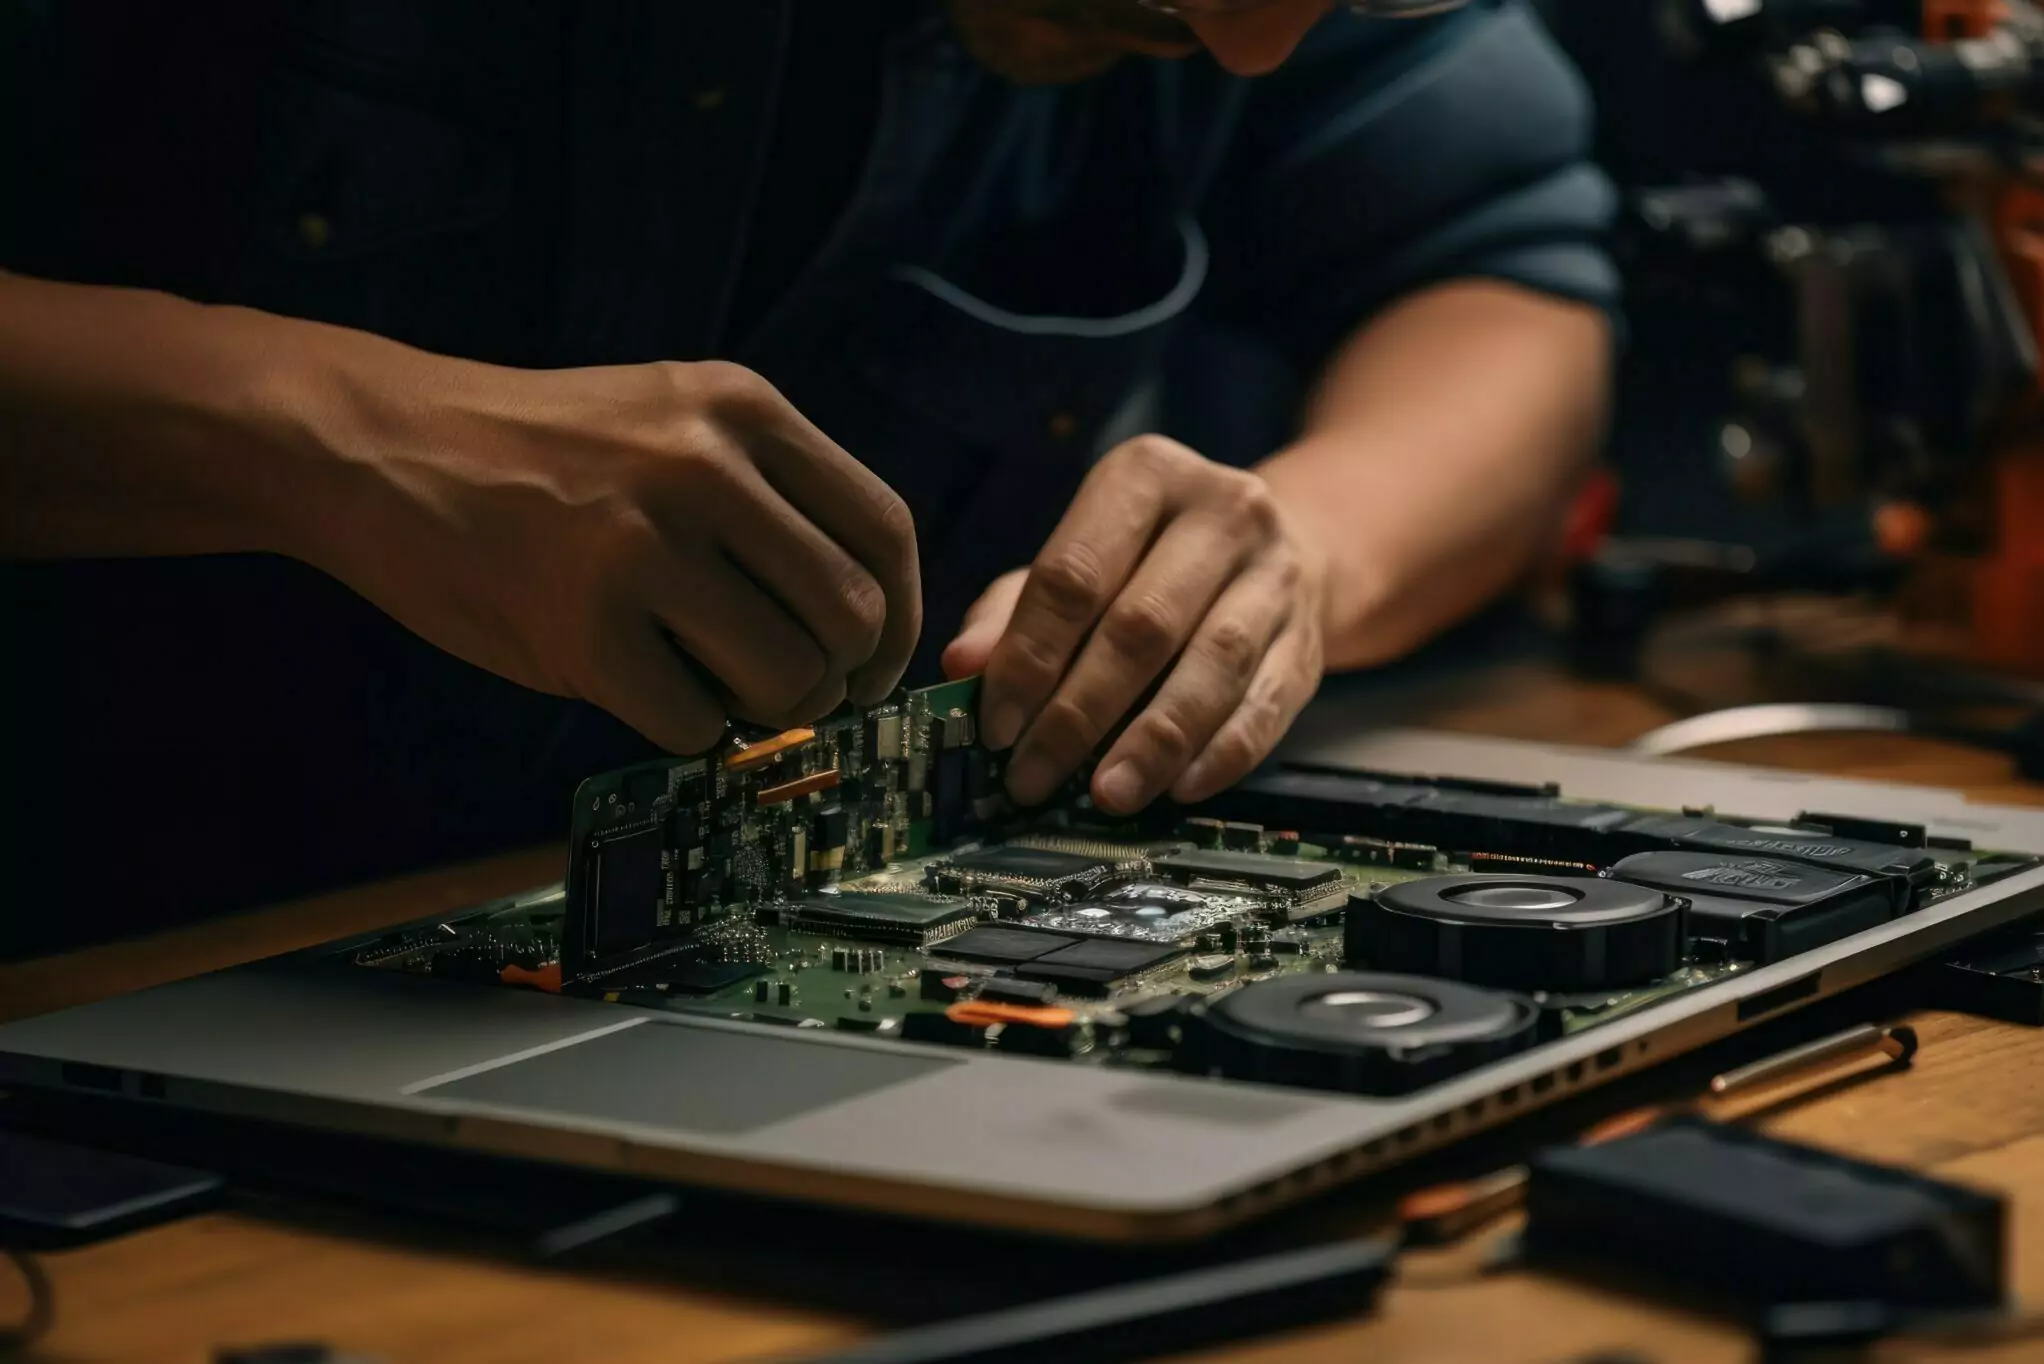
x,y
1767,908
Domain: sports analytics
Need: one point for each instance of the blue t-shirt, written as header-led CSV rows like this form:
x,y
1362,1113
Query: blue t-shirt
x,y
972,287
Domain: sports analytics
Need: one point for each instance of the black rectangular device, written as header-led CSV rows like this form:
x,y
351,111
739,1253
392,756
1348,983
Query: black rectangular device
x,y
1737,1216
1999,977
54,1196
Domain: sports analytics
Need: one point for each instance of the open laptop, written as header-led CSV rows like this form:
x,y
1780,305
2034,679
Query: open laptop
x,y
1081,1029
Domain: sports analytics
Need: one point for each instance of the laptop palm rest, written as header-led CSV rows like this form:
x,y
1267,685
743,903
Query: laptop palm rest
x,y
678,1078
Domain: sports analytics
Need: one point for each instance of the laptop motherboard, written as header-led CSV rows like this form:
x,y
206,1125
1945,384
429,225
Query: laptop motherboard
x,y
1374,934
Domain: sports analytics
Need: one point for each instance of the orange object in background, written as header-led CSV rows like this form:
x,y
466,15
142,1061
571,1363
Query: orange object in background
x,y
2008,585
2008,581
1947,21
2005,583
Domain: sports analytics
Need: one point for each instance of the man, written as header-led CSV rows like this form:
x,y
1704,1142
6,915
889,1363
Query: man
x,y
697,361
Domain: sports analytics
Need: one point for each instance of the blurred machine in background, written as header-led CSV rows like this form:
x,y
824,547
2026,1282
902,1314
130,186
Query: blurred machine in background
x,y
1836,253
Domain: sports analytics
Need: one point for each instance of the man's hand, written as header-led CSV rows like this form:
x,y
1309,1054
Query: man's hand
x,y
673,542
1171,578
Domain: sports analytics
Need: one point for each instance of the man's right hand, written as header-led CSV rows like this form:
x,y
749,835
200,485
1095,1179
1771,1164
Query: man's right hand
x,y
673,542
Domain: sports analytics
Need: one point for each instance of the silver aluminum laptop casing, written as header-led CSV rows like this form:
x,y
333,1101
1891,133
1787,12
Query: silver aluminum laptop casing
x,y
988,1139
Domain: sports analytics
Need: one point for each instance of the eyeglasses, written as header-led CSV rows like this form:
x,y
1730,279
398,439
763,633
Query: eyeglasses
x,y
1368,9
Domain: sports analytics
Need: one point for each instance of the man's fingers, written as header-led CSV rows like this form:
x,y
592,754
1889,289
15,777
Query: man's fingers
x,y
851,505
1140,632
1084,567
648,687
1283,685
1212,678
830,593
966,656
766,663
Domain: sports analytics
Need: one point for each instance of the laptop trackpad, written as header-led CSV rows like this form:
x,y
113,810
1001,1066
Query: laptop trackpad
x,y
680,1078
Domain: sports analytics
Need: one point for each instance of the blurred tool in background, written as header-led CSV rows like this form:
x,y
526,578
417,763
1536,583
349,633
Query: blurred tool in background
x,y
1881,408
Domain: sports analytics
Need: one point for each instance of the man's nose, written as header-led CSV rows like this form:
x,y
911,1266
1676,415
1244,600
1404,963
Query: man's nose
x,y
1254,42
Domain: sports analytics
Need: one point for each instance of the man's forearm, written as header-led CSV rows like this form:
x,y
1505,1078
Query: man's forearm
x,y
138,423
1441,448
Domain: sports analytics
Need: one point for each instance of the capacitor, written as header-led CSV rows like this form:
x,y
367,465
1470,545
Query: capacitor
x,y
785,993
759,991
839,959
1228,937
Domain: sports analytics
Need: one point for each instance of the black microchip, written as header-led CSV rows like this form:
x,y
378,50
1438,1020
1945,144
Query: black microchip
x,y
878,916
629,887
830,827
1003,946
1295,874
1025,992
1119,956
1094,967
1032,864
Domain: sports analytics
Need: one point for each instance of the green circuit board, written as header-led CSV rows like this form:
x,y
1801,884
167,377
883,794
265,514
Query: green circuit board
x,y
868,875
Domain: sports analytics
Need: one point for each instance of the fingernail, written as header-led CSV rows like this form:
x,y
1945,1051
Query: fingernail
x,y
1001,725
963,656
1120,787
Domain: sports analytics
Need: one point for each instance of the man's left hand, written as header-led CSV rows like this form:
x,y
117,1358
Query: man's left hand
x,y
1171,578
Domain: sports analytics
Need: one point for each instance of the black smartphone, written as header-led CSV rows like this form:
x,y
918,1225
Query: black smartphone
x,y
53,1196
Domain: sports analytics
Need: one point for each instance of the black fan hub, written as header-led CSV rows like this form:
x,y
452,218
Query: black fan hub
x,y
1558,934
1362,1033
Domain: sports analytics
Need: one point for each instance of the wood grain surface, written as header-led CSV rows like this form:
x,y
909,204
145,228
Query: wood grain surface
x,y
1972,1109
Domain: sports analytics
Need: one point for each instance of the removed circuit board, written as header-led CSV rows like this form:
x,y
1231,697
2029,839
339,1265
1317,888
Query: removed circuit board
x,y
661,852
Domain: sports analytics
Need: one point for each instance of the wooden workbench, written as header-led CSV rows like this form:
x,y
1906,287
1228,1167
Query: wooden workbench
x,y
1972,1108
